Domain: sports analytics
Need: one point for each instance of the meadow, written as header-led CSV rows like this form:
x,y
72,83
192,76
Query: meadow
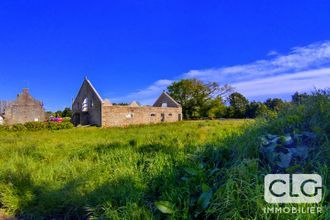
x,y
185,170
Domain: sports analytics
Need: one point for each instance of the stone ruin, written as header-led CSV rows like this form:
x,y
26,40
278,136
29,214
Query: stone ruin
x,y
24,109
90,109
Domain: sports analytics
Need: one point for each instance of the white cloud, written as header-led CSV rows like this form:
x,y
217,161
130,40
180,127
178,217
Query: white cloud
x,y
300,70
277,85
300,58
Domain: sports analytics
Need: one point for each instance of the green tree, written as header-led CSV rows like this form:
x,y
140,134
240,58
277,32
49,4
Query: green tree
x,y
195,96
299,98
275,104
67,112
216,108
256,109
58,113
239,105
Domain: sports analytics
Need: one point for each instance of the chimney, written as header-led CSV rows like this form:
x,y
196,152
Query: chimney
x,y
25,91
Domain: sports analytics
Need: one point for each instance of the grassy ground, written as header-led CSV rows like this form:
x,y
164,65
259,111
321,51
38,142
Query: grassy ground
x,y
184,170
118,172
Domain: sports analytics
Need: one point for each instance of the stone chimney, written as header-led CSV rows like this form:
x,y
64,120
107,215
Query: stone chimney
x,y
26,91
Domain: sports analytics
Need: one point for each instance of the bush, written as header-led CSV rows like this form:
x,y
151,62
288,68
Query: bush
x,y
66,119
312,114
59,126
18,127
66,125
35,126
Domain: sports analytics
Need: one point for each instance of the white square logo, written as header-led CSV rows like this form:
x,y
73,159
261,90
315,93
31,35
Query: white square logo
x,y
293,188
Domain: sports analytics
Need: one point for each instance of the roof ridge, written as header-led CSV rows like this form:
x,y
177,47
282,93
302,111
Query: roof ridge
x,y
93,88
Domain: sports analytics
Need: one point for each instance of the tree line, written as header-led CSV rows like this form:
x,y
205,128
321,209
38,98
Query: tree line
x,y
66,113
209,100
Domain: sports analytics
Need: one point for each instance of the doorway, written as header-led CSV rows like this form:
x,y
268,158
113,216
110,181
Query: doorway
x,y
76,119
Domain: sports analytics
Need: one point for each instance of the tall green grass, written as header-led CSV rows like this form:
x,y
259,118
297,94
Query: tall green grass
x,y
184,170
112,173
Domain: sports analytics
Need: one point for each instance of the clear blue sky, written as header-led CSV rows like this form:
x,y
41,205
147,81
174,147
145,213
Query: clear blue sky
x,y
133,49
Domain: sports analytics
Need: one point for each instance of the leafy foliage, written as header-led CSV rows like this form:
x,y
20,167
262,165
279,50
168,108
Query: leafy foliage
x,y
239,105
38,126
201,100
198,98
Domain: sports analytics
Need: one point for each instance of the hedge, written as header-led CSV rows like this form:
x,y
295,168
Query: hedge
x,y
37,126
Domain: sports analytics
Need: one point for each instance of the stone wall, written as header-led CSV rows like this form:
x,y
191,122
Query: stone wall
x,y
24,109
126,115
87,106
3,106
90,109
166,99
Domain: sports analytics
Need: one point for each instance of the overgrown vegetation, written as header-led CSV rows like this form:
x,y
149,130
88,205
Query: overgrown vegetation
x,y
185,170
37,126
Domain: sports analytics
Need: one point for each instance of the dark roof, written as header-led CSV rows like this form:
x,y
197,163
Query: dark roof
x,y
94,90
164,94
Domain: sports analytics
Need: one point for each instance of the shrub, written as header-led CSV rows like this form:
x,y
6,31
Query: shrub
x,y
66,119
66,125
59,126
18,127
35,126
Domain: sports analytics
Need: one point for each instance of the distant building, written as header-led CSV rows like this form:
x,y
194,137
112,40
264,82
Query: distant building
x,y
90,109
3,105
24,109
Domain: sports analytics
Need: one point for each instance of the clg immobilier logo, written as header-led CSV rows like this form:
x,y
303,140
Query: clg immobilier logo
x,y
293,188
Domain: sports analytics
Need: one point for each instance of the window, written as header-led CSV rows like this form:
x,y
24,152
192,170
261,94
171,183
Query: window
x,y
164,104
84,106
170,114
152,114
129,115
92,103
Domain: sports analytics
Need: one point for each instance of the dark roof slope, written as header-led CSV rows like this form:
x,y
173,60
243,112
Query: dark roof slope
x,y
166,98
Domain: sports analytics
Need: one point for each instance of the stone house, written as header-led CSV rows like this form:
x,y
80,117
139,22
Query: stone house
x,y
90,109
24,109
3,105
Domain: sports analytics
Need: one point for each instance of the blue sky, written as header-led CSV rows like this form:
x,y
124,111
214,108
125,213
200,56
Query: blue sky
x,y
131,50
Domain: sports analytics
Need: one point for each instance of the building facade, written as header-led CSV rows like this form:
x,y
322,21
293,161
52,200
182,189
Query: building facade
x,y
24,109
90,109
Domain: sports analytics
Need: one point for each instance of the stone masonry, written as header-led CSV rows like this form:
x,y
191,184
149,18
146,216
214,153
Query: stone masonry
x,y
24,109
90,109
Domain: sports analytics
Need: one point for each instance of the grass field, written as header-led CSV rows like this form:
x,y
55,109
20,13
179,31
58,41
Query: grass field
x,y
184,170
118,172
